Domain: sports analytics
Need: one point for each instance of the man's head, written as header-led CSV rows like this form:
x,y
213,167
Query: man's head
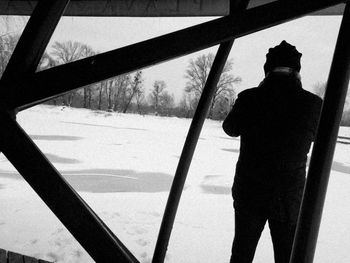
x,y
283,55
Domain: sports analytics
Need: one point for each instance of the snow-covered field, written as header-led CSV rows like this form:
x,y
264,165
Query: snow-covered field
x,y
123,165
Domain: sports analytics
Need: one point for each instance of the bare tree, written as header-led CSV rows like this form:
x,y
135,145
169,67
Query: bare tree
x,y
69,51
166,101
110,90
140,98
158,87
135,86
103,85
7,46
197,73
121,85
184,106
12,25
113,90
87,51
10,30
89,95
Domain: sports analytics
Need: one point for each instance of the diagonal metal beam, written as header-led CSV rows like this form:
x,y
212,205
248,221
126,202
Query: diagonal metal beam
x,y
33,41
89,230
199,117
322,155
59,80
188,151
46,181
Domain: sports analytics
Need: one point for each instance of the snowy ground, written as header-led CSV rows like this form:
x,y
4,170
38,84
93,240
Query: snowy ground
x,y
123,166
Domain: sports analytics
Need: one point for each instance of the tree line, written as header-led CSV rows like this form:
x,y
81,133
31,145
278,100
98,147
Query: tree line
x,y
127,93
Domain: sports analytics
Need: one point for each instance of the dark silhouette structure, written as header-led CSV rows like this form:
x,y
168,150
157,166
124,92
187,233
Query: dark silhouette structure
x,y
22,87
277,122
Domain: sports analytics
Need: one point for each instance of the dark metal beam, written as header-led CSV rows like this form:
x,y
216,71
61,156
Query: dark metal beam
x,y
323,151
89,230
149,8
113,8
60,197
188,151
33,41
59,80
191,143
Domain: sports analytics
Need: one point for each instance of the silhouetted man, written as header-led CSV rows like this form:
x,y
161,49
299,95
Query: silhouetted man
x,y
277,122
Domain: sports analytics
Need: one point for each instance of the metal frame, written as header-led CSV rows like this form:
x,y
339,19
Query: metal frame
x,y
89,230
190,146
96,238
188,151
68,206
34,39
62,79
324,147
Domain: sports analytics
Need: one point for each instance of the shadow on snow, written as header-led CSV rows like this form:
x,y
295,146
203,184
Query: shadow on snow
x,y
103,126
230,150
57,159
111,180
215,189
55,138
120,180
219,189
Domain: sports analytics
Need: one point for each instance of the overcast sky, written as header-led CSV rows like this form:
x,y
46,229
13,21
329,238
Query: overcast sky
x,y
314,36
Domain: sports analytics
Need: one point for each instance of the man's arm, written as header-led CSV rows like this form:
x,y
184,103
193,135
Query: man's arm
x,y
316,112
232,123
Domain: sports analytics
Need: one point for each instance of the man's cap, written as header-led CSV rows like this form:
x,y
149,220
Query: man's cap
x,y
283,55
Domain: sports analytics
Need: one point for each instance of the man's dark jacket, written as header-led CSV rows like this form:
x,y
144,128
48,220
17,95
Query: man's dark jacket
x,y
277,122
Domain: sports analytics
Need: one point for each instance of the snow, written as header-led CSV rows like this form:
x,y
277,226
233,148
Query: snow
x,y
123,165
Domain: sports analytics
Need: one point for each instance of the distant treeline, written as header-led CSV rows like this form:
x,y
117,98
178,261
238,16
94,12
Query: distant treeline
x,y
126,93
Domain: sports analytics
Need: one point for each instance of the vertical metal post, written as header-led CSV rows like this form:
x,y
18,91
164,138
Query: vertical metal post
x,y
191,141
188,150
323,151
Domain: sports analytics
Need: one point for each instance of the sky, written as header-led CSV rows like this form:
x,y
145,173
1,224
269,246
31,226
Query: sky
x,y
313,36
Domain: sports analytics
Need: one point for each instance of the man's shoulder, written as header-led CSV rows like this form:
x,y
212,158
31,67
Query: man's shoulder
x,y
311,97
248,92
